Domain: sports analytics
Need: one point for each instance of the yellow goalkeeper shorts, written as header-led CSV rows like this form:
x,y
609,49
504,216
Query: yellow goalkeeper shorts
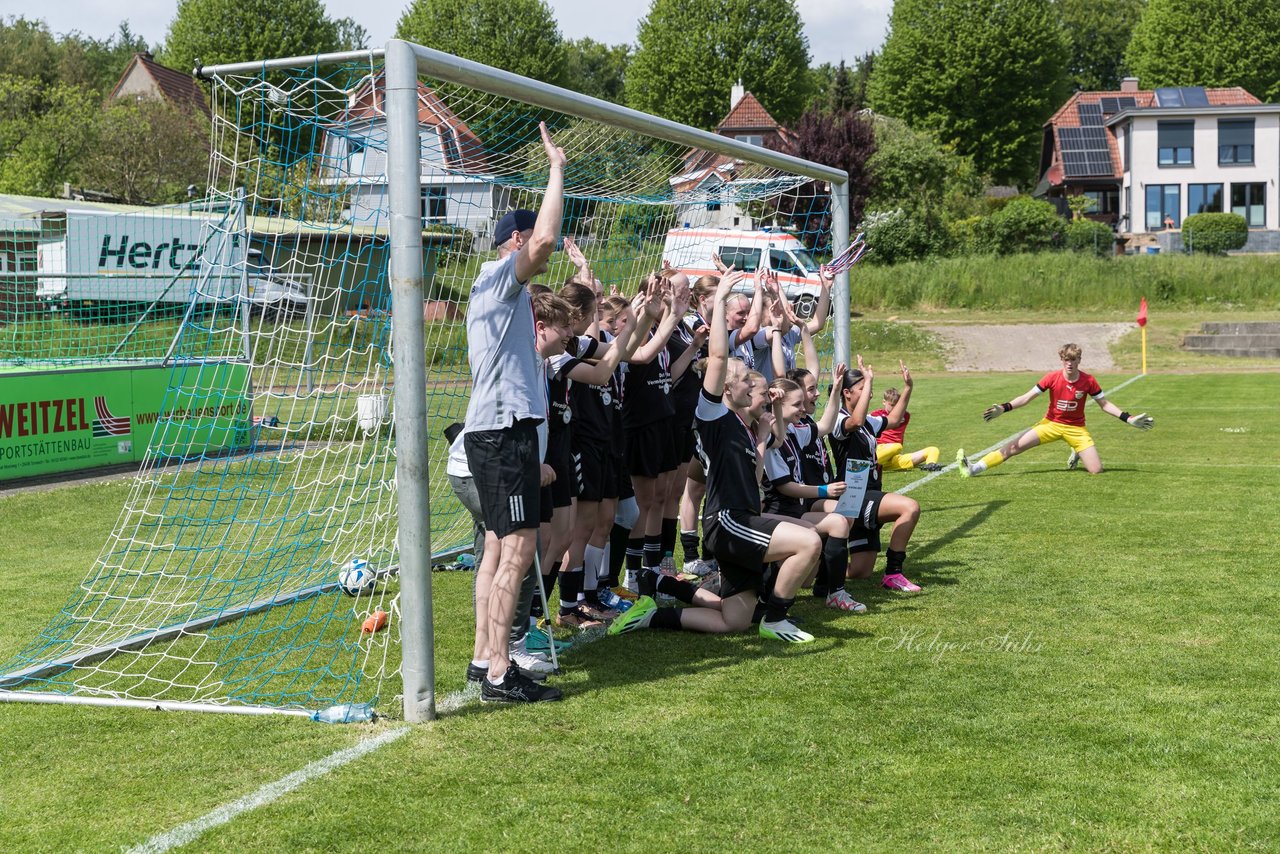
x,y
1050,431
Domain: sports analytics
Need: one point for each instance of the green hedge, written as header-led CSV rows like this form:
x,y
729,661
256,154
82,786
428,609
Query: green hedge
x,y
1095,238
1214,233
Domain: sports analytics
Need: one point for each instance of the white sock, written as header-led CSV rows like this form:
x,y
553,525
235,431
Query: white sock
x,y
978,468
480,662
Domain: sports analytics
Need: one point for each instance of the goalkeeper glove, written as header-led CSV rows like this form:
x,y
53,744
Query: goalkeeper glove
x,y
1142,421
995,410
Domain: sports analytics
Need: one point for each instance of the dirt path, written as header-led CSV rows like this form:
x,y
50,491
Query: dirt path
x,y
1026,346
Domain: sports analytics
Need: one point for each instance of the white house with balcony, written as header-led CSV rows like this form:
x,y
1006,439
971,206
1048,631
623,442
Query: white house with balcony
x,y
1150,158
456,187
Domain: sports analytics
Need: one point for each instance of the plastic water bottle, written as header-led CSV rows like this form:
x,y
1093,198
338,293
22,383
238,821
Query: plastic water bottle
x,y
467,560
347,713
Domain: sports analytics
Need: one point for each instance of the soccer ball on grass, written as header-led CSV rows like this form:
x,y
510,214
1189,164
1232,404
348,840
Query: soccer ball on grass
x,y
356,577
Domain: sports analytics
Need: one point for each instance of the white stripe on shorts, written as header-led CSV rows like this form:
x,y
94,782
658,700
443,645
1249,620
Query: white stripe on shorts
x,y
742,532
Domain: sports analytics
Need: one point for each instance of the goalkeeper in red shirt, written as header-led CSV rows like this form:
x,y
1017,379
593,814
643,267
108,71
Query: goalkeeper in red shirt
x,y
889,452
1064,419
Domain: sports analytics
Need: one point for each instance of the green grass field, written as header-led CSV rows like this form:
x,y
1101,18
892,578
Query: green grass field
x,y
1089,667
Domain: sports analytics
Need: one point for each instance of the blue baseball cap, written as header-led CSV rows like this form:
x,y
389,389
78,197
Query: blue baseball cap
x,y
517,220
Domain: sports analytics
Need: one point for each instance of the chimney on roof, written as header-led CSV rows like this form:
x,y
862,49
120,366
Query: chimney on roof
x,y
1129,84
735,94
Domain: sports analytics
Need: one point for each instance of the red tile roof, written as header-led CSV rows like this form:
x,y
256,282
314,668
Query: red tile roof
x,y
1068,116
747,114
175,87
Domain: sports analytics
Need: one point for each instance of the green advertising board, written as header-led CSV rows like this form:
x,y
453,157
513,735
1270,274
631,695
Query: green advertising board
x,y
84,418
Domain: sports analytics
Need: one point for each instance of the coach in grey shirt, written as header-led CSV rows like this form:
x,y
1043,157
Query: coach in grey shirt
x,y
508,407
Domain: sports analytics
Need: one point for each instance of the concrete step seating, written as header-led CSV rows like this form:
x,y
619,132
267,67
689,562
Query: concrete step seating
x,y
1249,339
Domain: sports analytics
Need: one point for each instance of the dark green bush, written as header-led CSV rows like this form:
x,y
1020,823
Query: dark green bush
x,y
1214,233
1087,235
1023,225
903,235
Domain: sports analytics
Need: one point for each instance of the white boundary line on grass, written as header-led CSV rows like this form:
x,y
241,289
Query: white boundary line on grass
x,y
192,830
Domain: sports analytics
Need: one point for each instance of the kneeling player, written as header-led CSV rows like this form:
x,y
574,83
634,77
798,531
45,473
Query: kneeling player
x,y
1064,419
742,539
889,446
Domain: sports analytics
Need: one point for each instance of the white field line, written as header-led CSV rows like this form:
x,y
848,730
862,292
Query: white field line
x,y
189,832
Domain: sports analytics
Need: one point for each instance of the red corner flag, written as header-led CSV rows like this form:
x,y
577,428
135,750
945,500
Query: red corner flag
x,y
1142,312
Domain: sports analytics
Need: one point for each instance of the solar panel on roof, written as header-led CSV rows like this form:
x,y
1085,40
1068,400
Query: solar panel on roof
x,y
1194,96
1128,103
1169,97
1110,106
1090,114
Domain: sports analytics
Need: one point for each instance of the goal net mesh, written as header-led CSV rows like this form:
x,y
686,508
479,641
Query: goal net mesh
x,y
220,581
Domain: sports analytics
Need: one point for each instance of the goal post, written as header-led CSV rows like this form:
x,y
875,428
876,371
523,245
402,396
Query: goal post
x,y
376,177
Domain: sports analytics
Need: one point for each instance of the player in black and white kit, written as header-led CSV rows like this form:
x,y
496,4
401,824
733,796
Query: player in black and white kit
x,y
798,480
854,439
646,420
741,538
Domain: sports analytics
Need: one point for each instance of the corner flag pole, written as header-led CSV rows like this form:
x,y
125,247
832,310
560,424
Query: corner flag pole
x,y
1142,323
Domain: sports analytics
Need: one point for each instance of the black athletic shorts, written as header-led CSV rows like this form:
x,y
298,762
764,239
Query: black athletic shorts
x,y
686,441
865,536
622,477
739,542
561,459
785,505
651,450
507,474
599,474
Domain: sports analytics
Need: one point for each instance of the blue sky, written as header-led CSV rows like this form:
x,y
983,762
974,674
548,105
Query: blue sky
x,y
836,28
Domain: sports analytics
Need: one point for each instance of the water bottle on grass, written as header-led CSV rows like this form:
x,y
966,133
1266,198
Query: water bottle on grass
x,y
346,713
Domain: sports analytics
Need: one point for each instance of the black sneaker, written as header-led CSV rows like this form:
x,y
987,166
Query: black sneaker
x,y
515,687
476,675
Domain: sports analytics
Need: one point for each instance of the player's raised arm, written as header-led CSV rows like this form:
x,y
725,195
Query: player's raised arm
x,y
832,412
648,351
995,410
900,408
718,343
858,415
532,257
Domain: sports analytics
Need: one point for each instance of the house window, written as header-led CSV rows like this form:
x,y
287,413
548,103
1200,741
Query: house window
x,y
1128,148
449,145
1204,198
1104,201
1164,206
751,139
1176,143
435,207
1249,201
1235,141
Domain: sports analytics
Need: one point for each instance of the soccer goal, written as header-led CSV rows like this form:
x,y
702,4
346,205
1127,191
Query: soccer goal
x,y
373,180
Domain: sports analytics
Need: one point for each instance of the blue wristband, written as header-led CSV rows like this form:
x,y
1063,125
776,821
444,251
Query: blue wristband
x,y
822,491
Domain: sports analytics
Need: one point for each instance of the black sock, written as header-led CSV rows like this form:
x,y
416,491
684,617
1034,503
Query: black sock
x,y
669,536
835,556
820,590
652,550
689,545
893,561
648,580
635,551
777,608
617,549
570,585
676,588
666,618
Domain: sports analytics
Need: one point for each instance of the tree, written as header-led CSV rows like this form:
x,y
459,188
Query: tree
x,y
845,141
690,53
911,170
1098,32
983,76
1209,43
596,69
28,50
44,131
351,36
215,31
147,152
519,36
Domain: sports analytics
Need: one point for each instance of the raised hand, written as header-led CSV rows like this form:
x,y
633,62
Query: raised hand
x,y
555,154
992,412
719,264
575,254
906,374
837,374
